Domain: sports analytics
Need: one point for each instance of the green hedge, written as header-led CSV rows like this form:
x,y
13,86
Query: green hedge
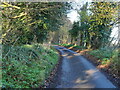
x,y
27,66
71,45
116,60
108,55
101,53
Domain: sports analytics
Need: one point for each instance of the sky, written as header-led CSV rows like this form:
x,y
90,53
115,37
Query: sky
x,y
114,34
73,16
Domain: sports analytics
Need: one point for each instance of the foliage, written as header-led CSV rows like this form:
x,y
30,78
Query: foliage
x,y
94,27
101,53
67,45
110,57
74,30
79,47
71,45
30,22
116,60
27,66
101,21
107,55
80,28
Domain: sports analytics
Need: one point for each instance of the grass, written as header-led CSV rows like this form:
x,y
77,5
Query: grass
x,y
27,66
106,55
102,54
116,60
66,45
71,45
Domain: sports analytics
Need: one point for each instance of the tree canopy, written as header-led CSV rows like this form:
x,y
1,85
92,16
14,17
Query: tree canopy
x,y
95,23
30,22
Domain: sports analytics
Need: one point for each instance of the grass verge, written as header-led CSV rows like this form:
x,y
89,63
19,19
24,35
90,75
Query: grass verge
x,y
27,66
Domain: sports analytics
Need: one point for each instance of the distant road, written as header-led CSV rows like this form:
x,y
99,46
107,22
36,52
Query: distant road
x,y
77,72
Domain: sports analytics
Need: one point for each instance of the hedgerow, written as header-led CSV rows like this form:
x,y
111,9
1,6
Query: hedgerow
x,y
27,66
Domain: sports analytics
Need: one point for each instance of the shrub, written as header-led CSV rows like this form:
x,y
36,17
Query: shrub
x,y
116,60
107,55
102,54
27,66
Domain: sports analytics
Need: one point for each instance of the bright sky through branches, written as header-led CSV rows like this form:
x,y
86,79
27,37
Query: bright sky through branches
x,y
73,16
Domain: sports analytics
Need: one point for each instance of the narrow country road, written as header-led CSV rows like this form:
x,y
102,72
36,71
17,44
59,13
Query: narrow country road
x,y
77,72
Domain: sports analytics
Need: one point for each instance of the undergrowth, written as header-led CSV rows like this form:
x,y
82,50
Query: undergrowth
x,y
27,66
71,45
107,55
102,54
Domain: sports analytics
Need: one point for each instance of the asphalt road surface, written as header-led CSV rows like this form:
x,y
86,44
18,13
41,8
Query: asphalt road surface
x,y
77,72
